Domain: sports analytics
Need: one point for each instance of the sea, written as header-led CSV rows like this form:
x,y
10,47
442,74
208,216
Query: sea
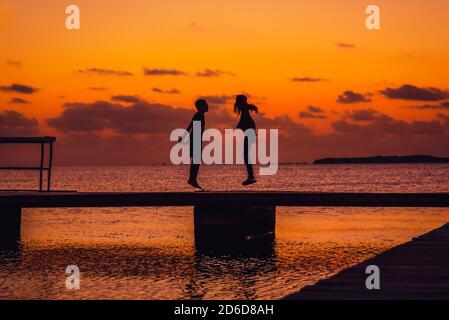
x,y
151,252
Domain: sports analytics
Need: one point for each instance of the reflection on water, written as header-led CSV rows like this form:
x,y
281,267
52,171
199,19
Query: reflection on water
x,y
151,253
262,248
124,272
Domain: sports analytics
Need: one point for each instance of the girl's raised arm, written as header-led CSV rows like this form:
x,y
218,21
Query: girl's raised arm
x,y
252,107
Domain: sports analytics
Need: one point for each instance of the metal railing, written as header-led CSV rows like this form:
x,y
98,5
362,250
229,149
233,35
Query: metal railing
x,y
34,140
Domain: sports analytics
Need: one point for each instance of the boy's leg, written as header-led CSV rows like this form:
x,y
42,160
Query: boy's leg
x,y
191,172
194,168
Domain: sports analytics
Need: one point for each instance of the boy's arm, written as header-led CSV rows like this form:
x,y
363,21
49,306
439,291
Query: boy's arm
x,y
188,129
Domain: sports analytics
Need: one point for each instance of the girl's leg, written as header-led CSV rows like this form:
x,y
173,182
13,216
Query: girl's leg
x,y
249,166
249,169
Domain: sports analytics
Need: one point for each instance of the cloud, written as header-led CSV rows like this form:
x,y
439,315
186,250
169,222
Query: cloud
x,y
225,99
143,117
345,45
138,133
98,88
140,117
163,72
309,115
126,99
14,63
307,79
209,73
206,73
92,149
349,97
312,112
296,142
443,117
18,101
19,88
388,126
13,123
442,105
106,72
366,115
218,99
315,109
169,91
411,92
196,27
286,126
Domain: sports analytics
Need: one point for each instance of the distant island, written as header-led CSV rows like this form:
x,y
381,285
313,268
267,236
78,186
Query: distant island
x,y
384,159
293,163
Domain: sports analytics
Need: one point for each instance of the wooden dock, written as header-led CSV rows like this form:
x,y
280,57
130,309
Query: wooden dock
x,y
416,270
228,215
268,198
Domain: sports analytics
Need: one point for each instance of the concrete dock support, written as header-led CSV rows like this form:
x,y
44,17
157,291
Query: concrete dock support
x,y
10,222
234,223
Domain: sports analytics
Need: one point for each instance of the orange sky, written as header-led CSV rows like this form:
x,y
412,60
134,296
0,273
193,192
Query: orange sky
x,y
262,43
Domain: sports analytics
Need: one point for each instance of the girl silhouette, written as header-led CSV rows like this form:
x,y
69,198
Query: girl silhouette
x,y
242,108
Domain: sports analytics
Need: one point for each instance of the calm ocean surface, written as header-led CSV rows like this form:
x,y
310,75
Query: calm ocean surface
x,y
150,253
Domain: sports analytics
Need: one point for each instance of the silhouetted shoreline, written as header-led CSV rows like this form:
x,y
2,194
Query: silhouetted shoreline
x,y
384,159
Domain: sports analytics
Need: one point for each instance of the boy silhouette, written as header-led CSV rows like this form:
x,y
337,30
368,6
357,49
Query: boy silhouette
x,y
195,159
